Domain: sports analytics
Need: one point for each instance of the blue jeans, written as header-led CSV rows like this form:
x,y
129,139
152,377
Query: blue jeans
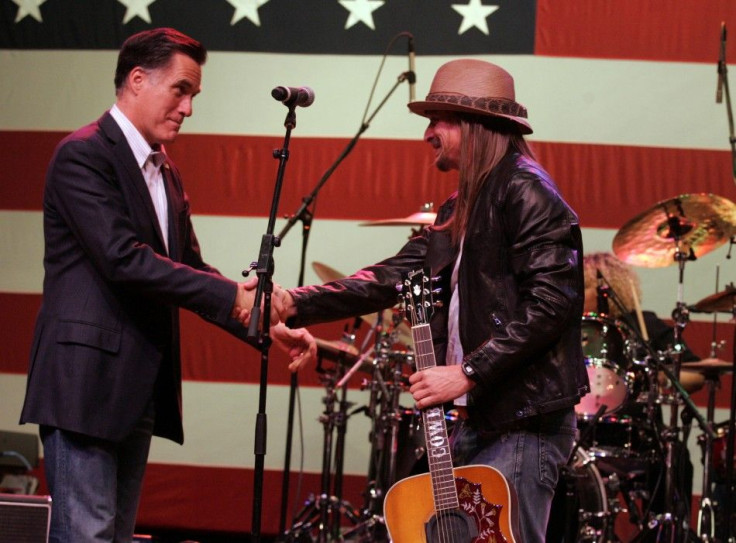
x,y
95,484
530,459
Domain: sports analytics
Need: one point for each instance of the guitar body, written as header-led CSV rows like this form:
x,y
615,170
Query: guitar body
x,y
485,497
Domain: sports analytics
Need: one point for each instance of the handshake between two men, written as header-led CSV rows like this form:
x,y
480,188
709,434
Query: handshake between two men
x,y
297,343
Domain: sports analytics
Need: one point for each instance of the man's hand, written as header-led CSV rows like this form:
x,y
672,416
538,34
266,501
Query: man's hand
x,y
245,300
437,385
286,305
298,343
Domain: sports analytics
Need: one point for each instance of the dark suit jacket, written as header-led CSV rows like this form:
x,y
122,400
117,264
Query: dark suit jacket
x,y
106,339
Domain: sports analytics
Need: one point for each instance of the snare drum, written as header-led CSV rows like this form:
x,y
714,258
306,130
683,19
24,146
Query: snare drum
x,y
608,346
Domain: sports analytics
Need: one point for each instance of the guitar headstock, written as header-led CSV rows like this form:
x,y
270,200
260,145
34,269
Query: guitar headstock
x,y
417,295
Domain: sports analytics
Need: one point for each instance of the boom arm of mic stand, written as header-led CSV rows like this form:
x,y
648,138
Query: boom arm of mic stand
x,y
307,200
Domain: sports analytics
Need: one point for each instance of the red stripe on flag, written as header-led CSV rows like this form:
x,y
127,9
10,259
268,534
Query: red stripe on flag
x,y
16,330
677,30
235,175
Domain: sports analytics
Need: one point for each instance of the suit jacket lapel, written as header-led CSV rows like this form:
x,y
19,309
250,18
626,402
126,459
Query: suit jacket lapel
x,y
125,156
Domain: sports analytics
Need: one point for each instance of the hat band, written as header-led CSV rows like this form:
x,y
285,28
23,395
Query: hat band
x,y
497,106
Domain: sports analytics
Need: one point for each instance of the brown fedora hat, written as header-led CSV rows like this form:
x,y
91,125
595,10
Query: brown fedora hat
x,y
476,87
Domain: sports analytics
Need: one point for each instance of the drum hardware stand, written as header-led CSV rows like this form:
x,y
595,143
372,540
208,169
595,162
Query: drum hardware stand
x,y
306,215
384,410
326,509
706,514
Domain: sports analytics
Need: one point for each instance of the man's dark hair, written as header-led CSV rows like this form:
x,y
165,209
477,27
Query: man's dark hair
x,y
152,49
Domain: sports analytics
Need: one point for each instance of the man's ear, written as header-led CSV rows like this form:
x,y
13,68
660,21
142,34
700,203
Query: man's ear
x,y
136,79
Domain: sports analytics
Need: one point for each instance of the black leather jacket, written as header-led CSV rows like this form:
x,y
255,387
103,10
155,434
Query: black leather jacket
x,y
521,295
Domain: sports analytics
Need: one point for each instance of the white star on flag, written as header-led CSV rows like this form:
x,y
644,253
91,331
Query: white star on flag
x,y
361,11
474,15
28,7
248,9
137,8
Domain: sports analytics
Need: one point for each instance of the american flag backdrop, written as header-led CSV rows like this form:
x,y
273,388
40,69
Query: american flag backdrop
x,y
621,96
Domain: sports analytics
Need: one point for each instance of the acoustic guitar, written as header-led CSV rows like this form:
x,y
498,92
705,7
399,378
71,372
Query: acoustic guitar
x,y
470,504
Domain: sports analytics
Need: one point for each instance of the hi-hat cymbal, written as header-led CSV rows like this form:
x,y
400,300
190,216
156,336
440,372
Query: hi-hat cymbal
x,y
421,218
326,273
723,301
424,217
708,365
694,224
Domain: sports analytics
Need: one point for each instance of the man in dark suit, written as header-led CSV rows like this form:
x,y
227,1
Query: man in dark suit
x,y
120,258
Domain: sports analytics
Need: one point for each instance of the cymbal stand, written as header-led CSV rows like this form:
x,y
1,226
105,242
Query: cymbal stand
x,y
384,411
706,514
323,512
668,526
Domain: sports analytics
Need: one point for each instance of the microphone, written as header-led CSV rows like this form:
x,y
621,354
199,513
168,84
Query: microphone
x,y
412,75
601,293
721,64
294,96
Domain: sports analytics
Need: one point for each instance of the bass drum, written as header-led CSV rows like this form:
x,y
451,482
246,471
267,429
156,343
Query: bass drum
x,y
587,507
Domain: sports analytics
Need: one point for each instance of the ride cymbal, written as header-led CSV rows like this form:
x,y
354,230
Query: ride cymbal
x,y
690,225
723,302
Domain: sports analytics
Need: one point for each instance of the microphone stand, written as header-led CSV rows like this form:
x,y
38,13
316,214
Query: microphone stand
x,y
729,506
723,80
306,217
261,339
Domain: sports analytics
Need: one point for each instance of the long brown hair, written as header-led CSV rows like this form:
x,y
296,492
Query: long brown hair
x,y
483,143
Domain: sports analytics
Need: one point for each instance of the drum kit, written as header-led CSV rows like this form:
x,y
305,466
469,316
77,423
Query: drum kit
x,y
628,477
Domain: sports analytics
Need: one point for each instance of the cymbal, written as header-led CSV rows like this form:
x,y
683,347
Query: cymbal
x,y
326,273
342,352
723,301
424,217
336,349
708,365
421,218
701,222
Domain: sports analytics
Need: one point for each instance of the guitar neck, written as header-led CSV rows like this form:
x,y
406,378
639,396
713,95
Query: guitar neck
x,y
435,430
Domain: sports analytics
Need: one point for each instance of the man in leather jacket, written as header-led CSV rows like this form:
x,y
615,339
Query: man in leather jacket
x,y
508,251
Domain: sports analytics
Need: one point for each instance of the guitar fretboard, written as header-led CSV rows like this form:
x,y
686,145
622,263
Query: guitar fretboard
x,y
435,430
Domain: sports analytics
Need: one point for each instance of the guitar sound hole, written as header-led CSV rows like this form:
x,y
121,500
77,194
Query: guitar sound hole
x,y
453,525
